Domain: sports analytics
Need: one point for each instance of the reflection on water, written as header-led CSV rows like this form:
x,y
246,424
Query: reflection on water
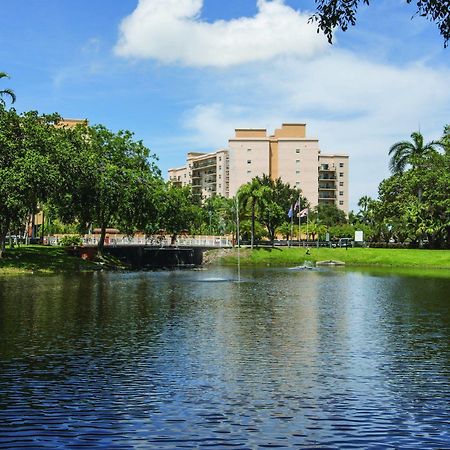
x,y
328,358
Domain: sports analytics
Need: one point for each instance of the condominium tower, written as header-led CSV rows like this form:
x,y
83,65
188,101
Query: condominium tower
x,y
288,154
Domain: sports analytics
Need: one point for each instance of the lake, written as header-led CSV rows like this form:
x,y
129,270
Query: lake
x,y
330,358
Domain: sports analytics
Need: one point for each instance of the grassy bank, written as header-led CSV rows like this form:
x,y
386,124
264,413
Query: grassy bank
x,y
40,259
352,256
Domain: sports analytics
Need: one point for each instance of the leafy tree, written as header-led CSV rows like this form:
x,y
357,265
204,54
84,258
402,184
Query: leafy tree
x,y
178,209
413,153
409,217
278,198
248,230
28,171
6,92
111,179
314,229
328,214
219,215
342,13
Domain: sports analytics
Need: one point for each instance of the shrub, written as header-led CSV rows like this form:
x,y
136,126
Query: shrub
x,y
70,241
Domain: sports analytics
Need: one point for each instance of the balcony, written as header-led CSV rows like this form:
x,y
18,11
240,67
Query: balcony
x,y
327,187
327,197
204,165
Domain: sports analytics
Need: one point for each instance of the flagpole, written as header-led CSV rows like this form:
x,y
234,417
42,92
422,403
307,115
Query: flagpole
x,y
307,223
292,225
299,210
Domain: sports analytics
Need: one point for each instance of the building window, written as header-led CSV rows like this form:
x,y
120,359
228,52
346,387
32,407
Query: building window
x,y
220,186
249,171
297,161
220,158
249,149
249,161
341,202
341,174
297,172
341,164
341,183
220,167
297,150
341,192
297,183
220,176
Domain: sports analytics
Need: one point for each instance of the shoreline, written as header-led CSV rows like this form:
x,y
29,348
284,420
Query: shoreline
x,y
51,260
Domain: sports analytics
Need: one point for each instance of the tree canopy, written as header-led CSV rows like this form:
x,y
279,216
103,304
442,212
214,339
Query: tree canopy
x,y
331,14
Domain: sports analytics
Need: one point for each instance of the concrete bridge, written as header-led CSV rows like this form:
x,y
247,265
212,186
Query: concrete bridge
x,y
153,252
205,242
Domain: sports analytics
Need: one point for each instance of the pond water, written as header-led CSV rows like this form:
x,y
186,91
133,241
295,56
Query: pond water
x,y
193,359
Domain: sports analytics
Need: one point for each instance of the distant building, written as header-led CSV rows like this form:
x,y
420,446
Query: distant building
x,y
287,154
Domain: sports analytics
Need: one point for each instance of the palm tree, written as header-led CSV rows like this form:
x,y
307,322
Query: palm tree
x,y
365,203
252,194
414,154
8,92
406,153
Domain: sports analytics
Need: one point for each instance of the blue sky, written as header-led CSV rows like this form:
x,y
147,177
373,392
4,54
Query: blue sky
x,y
182,74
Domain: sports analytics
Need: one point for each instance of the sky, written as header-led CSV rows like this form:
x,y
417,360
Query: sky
x,y
183,74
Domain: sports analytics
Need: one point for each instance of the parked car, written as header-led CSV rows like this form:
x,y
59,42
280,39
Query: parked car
x,y
345,242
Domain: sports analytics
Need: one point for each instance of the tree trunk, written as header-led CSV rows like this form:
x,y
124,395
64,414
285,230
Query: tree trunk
x,y
2,247
2,243
101,243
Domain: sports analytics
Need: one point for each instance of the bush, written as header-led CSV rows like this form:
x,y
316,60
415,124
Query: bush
x,y
70,241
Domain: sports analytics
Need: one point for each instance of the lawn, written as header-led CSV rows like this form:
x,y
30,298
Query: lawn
x,y
351,256
38,258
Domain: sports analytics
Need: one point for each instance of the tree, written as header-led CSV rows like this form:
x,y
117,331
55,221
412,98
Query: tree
x,y
409,217
445,141
8,92
28,170
328,214
251,195
219,215
178,209
342,13
111,179
413,153
365,214
278,198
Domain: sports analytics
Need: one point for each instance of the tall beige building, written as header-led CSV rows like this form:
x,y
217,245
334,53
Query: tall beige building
x,y
288,154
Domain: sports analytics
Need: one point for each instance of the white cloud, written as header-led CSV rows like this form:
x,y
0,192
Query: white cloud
x,y
171,31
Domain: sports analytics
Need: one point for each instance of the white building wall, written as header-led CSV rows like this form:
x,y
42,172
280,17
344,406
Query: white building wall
x,y
340,163
297,165
248,159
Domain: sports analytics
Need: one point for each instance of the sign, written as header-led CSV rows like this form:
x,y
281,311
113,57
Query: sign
x,y
359,236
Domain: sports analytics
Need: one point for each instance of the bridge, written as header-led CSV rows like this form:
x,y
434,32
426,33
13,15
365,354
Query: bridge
x,y
205,242
152,252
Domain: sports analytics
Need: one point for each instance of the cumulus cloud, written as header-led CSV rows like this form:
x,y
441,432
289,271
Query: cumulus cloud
x,y
171,31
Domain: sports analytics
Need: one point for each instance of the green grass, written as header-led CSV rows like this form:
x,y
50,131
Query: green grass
x,y
352,256
37,258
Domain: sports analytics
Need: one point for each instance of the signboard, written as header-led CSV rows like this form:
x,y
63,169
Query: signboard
x,y
359,236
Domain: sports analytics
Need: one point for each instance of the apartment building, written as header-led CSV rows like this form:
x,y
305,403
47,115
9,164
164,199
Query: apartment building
x,y
288,153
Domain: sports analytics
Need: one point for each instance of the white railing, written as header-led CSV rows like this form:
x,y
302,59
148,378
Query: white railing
x,y
155,241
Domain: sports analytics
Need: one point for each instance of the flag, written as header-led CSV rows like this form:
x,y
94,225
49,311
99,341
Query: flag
x,y
290,213
296,205
303,212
